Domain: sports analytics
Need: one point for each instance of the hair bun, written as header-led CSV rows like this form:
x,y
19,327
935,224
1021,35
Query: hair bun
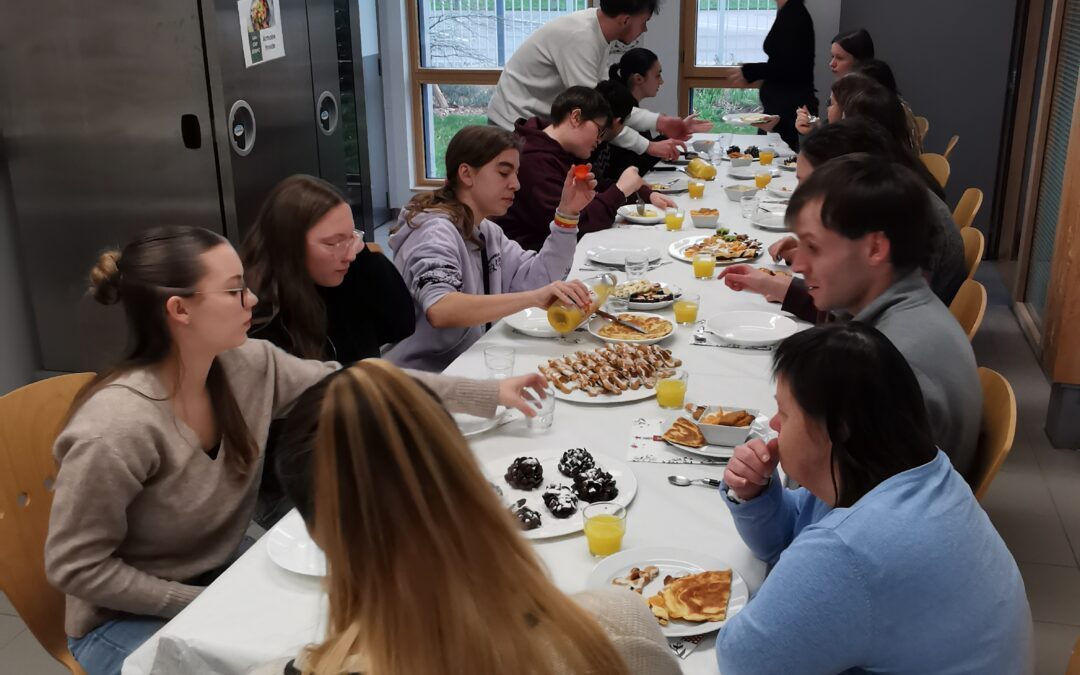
x,y
105,278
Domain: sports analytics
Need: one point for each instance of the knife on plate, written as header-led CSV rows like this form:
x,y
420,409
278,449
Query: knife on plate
x,y
614,319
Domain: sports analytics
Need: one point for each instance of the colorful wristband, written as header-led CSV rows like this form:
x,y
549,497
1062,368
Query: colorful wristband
x,y
563,220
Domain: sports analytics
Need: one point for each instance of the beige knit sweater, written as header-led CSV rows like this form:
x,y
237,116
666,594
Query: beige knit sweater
x,y
623,615
140,509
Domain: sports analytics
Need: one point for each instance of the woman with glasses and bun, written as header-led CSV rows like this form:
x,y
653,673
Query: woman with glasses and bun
x,y
162,454
325,295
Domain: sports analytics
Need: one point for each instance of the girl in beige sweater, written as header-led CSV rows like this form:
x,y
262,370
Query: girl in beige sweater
x,y
161,456
434,553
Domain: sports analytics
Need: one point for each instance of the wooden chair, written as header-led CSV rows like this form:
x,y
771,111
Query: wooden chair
x,y
967,208
997,430
938,166
973,249
1074,662
950,146
373,247
969,306
30,420
922,125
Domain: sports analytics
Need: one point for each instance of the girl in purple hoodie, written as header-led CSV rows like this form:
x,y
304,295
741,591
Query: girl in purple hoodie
x,y
463,272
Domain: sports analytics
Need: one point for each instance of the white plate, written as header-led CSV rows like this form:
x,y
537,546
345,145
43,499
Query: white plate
x,y
674,561
599,322
550,526
785,167
770,222
290,546
675,291
678,248
759,429
471,425
616,255
748,172
629,396
674,186
781,191
532,322
630,213
751,328
745,119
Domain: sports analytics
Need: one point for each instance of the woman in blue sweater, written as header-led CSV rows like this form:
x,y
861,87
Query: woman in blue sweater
x,y
883,561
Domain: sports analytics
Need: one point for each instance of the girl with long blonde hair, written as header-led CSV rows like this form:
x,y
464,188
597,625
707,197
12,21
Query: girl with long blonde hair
x,y
418,545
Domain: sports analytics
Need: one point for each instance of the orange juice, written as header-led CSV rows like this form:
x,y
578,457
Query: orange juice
x,y
604,534
762,180
565,318
673,220
686,311
671,393
696,188
766,157
704,266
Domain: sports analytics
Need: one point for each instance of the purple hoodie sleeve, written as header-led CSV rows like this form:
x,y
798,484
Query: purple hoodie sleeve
x,y
429,263
526,270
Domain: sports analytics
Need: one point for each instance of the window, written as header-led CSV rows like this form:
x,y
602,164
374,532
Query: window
x,y
717,36
458,48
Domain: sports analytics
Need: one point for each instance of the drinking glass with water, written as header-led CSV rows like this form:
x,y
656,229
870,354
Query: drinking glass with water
x,y
545,408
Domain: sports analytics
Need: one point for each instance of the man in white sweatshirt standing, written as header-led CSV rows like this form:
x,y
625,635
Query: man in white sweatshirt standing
x,y
572,50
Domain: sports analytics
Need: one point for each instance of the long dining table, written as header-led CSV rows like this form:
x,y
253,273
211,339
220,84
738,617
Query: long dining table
x,y
256,611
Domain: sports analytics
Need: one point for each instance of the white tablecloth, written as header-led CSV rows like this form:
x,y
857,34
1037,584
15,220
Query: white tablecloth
x,y
256,611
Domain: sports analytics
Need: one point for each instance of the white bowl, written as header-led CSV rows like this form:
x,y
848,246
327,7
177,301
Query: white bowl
x,y
718,434
705,221
735,192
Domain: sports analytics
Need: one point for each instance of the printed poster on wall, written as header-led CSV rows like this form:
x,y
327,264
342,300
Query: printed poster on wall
x,y
261,31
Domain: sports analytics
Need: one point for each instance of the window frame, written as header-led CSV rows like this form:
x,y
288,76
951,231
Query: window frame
x,y
421,76
692,75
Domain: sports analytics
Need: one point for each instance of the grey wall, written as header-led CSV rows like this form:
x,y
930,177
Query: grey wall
x,y
951,61
19,358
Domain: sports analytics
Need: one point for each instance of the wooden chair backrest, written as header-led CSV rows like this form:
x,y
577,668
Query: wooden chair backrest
x,y
973,249
950,146
938,166
968,207
998,428
969,306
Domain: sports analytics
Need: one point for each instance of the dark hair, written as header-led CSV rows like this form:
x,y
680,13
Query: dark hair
x,y
860,194
275,267
861,134
163,263
632,7
590,102
845,137
619,98
858,43
293,463
880,72
474,146
872,407
636,61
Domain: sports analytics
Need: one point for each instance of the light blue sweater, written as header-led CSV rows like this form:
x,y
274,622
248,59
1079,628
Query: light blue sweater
x,y
911,579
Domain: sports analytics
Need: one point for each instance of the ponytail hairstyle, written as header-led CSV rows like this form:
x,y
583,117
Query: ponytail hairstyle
x,y
163,263
474,146
636,61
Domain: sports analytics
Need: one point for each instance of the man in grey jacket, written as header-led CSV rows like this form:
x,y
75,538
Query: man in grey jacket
x,y
864,230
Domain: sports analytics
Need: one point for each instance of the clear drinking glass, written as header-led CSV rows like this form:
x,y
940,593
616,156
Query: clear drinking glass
x,y
545,408
617,306
636,266
499,361
605,525
748,201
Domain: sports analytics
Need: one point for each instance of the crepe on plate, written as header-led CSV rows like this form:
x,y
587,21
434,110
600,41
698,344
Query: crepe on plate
x,y
685,432
698,597
654,327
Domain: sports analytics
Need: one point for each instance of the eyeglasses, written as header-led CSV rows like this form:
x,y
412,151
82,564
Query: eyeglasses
x,y
345,246
601,130
243,292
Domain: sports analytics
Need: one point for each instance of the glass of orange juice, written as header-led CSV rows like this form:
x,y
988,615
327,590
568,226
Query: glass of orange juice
x,y
696,188
704,265
765,157
686,309
673,219
671,391
605,525
762,179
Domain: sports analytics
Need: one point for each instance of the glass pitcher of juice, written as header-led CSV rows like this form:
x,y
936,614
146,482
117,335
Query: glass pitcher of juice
x,y
565,318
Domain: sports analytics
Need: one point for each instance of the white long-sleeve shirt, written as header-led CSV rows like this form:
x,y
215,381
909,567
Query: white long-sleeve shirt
x,y
565,52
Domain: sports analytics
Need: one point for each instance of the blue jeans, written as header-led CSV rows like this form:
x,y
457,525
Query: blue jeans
x,y
102,651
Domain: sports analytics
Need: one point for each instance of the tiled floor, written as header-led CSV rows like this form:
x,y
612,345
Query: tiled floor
x,y
1034,503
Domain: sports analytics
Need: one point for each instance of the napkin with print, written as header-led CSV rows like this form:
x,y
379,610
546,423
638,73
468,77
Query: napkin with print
x,y
685,646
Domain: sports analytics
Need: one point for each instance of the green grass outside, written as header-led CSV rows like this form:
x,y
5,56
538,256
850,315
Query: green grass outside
x,y
713,104
445,128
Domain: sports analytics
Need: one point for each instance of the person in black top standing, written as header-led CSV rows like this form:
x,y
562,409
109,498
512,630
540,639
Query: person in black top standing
x,y
787,78
323,293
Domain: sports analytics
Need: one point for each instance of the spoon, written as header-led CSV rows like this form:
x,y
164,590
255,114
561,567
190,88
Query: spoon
x,y
683,481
